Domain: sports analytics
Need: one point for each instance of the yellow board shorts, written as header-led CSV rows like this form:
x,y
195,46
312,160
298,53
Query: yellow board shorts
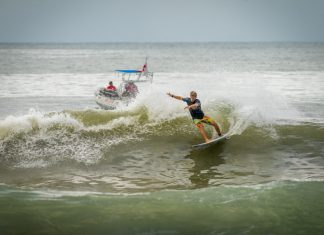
x,y
205,119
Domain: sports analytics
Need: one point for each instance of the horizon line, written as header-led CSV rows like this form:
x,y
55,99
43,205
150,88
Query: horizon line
x,y
156,42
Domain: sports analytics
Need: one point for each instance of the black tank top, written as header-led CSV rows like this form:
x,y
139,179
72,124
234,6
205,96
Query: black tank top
x,y
195,113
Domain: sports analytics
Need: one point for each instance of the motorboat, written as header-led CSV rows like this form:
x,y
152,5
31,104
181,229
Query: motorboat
x,y
127,90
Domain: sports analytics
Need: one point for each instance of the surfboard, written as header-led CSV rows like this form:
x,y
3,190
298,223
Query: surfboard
x,y
213,141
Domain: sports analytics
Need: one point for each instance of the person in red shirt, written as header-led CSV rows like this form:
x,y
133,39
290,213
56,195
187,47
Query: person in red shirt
x,y
111,87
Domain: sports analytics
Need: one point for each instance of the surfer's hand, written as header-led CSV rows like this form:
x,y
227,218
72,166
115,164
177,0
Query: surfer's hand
x,y
187,107
169,94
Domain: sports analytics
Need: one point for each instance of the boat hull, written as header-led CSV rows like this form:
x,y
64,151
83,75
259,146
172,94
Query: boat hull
x,y
110,100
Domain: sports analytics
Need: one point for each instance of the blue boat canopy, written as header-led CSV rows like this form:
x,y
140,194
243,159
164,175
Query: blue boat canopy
x,y
129,71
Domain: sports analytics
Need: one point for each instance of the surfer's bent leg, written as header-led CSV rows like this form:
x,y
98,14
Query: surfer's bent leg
x,y
210,121
201,129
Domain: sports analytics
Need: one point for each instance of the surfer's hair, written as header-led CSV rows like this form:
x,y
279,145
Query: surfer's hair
x,y
110,83
193,93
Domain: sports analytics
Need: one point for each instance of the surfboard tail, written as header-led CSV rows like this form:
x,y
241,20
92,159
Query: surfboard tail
x,y
213,141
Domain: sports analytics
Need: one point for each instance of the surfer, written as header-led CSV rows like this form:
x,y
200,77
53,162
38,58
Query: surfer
x,y
198,116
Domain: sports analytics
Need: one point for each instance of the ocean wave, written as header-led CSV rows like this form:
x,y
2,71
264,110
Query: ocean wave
x,y
138,120
45,139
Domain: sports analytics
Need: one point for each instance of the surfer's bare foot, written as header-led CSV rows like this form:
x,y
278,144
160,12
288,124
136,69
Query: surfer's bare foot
x,y
219,134
207,140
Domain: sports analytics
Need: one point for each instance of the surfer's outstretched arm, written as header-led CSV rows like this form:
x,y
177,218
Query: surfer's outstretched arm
x,y
175,96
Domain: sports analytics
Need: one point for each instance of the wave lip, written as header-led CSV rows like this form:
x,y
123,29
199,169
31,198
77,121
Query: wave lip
x,y
35,121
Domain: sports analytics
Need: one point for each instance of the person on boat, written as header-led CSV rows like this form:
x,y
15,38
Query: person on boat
x,y
198,116
111,87
144,69
130,89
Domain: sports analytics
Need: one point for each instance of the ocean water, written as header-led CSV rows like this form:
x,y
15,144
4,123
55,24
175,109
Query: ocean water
x,y
68,167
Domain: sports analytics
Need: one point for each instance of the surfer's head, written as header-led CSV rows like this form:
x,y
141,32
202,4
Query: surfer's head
x,y
110,83
193,95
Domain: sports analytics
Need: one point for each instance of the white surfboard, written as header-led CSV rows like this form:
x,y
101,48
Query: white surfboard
x,y
213,141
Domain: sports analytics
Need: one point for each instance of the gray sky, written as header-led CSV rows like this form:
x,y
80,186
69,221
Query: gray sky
x,y
161,20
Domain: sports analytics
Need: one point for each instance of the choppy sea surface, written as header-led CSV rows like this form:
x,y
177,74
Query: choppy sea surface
x,y
69,167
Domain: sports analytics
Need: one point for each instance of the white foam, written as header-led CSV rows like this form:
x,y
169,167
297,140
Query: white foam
x,y
252,99
270,97
256,98
35,120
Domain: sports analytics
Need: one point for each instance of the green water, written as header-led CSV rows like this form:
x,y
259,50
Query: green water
x,y
282,208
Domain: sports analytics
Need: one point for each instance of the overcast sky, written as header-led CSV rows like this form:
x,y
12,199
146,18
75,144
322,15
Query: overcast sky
x,y
161,20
